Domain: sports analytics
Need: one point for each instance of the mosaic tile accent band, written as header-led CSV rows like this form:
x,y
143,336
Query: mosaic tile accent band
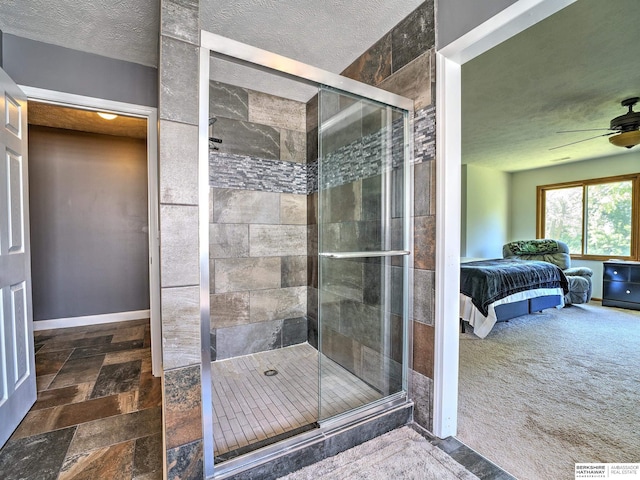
x,y
312,177
424,134
363,159
245,172
347,164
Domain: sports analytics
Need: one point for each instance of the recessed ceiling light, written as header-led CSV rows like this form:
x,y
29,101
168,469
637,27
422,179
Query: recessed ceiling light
x,y
107,116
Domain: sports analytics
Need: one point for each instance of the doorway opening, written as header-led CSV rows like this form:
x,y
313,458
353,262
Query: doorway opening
x,y
88,216
449,59
72,122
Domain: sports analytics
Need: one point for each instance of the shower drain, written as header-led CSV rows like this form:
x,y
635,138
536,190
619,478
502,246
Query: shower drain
x,y
270,373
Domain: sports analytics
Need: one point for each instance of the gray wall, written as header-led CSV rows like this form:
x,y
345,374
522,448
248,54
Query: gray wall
x,y
51,67
89,241
454,18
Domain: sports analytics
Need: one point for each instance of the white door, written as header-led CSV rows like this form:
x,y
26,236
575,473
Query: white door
x,y
17,359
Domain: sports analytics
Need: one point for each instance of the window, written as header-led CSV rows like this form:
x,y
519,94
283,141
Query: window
x,y
595,218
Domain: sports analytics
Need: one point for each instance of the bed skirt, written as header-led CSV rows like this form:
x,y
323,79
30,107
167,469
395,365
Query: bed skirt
x,y
482,325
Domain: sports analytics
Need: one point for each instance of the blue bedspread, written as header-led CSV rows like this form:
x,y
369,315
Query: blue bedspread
x,y
486,281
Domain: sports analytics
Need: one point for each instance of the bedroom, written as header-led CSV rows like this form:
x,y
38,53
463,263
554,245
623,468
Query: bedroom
x,y
569,72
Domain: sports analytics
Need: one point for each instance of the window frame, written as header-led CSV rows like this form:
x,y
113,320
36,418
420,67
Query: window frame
x,y
635,212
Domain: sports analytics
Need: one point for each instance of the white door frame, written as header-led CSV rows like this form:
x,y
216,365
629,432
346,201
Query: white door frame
x,y
151,115
509,22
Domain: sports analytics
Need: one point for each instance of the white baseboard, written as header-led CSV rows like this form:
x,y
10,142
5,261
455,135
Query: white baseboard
x,y
90,320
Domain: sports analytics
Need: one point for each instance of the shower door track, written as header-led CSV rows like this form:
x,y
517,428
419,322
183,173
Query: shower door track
x,y
327,428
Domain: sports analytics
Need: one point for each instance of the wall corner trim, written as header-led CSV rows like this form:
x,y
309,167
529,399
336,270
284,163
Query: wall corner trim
x,y
509,22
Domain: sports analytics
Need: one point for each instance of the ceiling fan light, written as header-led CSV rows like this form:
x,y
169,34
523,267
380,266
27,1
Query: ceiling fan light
x,y
626,139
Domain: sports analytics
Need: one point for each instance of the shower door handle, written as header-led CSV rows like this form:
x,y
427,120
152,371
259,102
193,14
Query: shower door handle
x,y
381,253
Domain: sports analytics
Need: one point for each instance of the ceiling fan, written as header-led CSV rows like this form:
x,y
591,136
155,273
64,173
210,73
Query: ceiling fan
x,y
625,128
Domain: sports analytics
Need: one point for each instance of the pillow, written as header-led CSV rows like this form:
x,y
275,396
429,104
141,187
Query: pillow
x,y
534,247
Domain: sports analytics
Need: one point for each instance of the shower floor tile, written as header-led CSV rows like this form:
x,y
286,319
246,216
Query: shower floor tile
x,y
251,407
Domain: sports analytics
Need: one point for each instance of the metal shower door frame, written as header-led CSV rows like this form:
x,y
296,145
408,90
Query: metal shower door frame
x,y
211,43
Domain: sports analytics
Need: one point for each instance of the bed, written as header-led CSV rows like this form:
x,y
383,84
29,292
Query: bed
x,y
497,290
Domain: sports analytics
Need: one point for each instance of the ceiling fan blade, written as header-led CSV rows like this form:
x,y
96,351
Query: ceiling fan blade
x,y
583,140
586,130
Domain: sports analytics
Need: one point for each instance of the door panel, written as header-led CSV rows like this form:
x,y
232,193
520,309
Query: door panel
x,y
21,330
3,356
363,248
16,206
17,361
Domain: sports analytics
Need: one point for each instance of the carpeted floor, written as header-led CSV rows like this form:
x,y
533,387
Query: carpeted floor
x,y
547,390
399,455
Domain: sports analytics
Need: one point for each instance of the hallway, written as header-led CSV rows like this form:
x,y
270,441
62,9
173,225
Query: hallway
x,y
98,411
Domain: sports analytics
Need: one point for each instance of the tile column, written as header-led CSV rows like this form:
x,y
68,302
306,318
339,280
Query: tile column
x,y
179,249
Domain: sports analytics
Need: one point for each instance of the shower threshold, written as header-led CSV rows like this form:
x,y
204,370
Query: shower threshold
x,y
253,408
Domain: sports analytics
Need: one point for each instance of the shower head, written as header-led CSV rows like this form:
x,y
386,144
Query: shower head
x,y
212,139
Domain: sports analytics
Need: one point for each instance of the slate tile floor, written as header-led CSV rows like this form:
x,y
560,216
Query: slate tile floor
x,y
98,411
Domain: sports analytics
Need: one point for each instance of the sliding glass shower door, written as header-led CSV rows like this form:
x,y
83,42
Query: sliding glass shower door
x,y
363,251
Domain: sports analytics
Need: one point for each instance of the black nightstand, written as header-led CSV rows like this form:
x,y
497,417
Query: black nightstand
x,y
621,284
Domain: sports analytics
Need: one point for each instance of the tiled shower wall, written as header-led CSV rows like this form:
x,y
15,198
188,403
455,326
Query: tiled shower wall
x,y
354,163
258,222
262,243
403,62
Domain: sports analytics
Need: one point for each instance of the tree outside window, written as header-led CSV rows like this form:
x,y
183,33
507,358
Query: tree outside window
x,y
594,218
563,217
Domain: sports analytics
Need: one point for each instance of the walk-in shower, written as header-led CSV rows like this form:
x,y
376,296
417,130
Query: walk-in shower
x,y
306,244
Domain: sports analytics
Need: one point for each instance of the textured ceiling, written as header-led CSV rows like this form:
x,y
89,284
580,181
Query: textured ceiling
x,y
122,29
567,72
85,121
328,34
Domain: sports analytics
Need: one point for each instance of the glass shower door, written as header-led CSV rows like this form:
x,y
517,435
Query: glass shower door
x,y
363,248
